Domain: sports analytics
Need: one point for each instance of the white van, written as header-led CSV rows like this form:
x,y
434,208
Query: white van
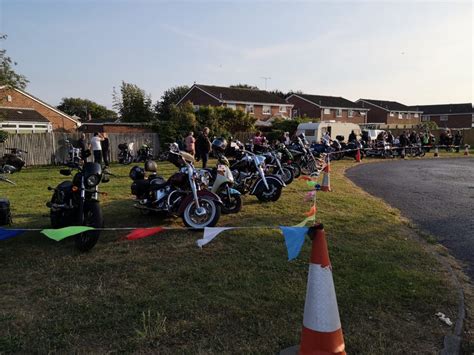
x,y
315,131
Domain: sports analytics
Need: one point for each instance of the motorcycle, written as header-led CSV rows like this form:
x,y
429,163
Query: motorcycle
x,y
5,214
125,155
76,202
249,176
310,165
273,166
74,154
287,159
144,153
14,158
380,149
180,195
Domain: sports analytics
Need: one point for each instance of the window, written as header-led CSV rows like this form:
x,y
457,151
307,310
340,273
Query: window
x,y
266,110
425,118
407,116
309,132
9,98
443,118
392,114
400,115
232,106
416,115
282,109
351,113
327,111
249,109
338,112
363,113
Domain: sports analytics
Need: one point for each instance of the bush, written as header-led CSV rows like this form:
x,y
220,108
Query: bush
x,y
3,136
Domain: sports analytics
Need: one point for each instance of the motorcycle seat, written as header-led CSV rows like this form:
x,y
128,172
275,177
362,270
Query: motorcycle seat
x,y
157,182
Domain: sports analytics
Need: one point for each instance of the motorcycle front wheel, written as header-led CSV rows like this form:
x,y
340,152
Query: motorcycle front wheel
x,y
206,215
287,175
272,194
296,169
230,204
92,218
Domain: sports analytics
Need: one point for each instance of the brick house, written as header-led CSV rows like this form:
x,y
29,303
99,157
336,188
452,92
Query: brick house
x,y
327,108
448,115
19,99
261,104
390,112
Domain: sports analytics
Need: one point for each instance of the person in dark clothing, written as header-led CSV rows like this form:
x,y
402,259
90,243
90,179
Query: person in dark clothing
x,y
203,146
83,146
352,137
457,140
104,143
404,142
390,137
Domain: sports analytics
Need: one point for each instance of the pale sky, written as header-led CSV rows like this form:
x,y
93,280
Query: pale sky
x,y
408,51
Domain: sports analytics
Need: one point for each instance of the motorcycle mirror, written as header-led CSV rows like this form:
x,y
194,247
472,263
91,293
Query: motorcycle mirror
x,y
65,172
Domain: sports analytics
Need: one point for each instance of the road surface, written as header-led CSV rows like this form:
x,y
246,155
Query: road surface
x,y
436,194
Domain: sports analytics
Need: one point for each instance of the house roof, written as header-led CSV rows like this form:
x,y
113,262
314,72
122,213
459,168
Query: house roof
x,y
226,94
444,109
387,105
14,114
330,101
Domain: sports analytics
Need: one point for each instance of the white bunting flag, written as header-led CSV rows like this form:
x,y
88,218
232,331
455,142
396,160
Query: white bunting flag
x,y
209,234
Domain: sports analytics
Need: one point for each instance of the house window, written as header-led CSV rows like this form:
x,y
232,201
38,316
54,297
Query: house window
x,y
363,113
416,115
392,114
9,98
351,113
282,109
249,109
338,112
425,118
400,115
232,106
443,118
407,115
266,110
327,111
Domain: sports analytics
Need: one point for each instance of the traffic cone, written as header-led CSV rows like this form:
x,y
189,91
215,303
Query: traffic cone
x,y
466,150
326,185
322,333
358,156
436,153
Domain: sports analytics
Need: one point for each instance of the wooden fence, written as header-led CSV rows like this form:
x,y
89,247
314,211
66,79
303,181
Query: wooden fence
x,y
51,148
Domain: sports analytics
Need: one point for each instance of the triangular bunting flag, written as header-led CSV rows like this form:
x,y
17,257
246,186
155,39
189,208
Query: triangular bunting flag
x,y
209,234
311,212
8,233
60,234
143,233
303,222
309,196
311,183
294,240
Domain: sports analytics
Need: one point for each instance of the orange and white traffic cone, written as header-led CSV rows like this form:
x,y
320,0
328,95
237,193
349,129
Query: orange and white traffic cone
x,y
436,153
466,150
322,333
326,185
358,156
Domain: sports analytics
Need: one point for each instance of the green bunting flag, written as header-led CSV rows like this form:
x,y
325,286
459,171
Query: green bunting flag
x,y
60,234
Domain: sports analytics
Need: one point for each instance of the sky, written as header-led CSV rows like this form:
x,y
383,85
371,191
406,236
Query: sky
x,y
414,52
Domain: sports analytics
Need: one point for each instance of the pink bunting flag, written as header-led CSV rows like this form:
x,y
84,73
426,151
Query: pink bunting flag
x,y
143,233
309,196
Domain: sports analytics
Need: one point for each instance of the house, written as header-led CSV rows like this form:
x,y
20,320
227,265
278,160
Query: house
x,y
263,105
16,98
448,115
91,126
390,112
23,120
327,108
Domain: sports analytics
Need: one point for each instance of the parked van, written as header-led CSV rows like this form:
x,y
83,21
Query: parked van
x,y
315,131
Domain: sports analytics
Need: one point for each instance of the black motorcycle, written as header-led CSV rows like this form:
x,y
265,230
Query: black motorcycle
x,y
144,153
76,202
274,166
14,158
287,158
125,155
179,195
5,214
249,176
310,165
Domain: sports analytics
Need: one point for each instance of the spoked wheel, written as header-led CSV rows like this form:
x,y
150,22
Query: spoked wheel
x,y
206,215
287,175
308,168
272,194
92,218
296,169
231,203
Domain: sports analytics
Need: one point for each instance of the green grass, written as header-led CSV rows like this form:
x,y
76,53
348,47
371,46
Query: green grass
x,y
238,294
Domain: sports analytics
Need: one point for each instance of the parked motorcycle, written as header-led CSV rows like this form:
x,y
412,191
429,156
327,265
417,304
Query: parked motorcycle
x,y
74,154
14,158
144,153
380,149
310,165
5,214
273,166
76,202
179,195
287,159
249,175
125,155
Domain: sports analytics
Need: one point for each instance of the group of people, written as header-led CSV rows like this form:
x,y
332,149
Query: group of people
x,y
99,145
200,147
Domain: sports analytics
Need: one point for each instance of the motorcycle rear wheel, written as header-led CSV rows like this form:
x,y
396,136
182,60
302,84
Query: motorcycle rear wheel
x,y
92,218
296,169
287,175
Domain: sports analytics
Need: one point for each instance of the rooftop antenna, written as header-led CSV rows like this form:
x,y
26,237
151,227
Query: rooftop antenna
x,y
265,78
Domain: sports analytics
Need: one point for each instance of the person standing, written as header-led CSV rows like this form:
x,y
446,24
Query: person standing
x,y
104,143
203,146
83,146
190,143
97,148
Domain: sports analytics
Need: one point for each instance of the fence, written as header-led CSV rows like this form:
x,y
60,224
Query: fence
x,y
51,148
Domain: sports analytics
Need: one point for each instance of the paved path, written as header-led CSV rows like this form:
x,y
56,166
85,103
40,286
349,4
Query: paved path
x,y
436,194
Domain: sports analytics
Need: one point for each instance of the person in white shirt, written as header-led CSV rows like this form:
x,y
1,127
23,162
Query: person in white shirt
x,y
326,139
97,148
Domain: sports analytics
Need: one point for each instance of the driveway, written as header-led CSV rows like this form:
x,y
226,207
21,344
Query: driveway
x,y
436,194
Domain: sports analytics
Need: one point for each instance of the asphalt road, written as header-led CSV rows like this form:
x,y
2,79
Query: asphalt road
x,y
436,194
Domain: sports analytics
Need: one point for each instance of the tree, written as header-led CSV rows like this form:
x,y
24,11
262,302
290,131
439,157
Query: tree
x,y
8,76
133,104
83,107
180,121
244,86
170,97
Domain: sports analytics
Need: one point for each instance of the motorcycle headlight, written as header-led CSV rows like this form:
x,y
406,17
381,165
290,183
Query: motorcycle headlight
x,y
92,180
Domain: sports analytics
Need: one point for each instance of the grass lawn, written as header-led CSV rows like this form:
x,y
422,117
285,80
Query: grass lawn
x,y
238,294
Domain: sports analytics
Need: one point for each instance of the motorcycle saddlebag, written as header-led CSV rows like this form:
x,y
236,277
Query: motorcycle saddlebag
x,y
140,188
5,215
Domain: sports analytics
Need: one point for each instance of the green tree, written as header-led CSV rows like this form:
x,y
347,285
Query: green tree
x,y
133,104
8,76
83,107
169,98
180,121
